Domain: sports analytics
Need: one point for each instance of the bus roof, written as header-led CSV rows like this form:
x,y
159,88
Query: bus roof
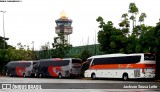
x,y
20,61
72,58
115,55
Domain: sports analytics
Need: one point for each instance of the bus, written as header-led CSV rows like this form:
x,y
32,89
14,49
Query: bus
x,y
125,66
20,68
58,67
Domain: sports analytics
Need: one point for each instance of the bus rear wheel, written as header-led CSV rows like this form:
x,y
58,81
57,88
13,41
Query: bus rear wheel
x,y
60,75
125,77
93,76
35,75
24,75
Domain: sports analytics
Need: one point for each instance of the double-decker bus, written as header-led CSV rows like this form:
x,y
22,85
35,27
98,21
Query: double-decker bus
x,y
121,66
58,67
20,68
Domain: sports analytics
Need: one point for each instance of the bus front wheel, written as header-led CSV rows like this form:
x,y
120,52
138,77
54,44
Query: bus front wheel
x,y
93,76
40,75
125,76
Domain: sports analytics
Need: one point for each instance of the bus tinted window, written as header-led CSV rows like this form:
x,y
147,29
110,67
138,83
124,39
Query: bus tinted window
x,y
44,63
76,61
60,63
117,60
149,57
20,64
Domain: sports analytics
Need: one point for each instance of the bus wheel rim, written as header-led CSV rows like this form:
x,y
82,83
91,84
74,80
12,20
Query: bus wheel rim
x,y
93,76
40,75
24,75
125,77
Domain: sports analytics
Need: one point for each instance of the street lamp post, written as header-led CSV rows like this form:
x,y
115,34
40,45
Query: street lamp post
x,y
3,29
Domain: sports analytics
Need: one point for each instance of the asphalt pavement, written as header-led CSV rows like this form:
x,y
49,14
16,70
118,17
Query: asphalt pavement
x,y
20,84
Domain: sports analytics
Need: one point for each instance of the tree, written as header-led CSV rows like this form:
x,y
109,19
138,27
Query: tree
x,y
141,17
60,46
157,36
85,54
144,39
45,51
125,24
147,39
134,11
111,40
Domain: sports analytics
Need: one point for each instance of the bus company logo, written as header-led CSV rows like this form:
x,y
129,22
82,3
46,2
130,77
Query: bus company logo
x,y
21,86
6,86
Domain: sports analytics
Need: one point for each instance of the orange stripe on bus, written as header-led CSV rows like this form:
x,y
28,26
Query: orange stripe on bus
x,y
122,66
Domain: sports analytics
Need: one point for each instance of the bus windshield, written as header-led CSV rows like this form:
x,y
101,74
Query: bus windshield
x,y
86,64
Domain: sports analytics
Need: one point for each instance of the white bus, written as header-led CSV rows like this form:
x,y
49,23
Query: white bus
x,y
121,66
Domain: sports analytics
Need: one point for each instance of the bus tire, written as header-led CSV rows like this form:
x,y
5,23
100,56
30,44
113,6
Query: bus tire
x,y
60,75
125,76
10,75
35,75
24,75
93,76
40,75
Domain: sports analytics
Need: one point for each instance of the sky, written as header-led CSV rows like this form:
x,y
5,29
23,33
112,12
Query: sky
x,y
34,20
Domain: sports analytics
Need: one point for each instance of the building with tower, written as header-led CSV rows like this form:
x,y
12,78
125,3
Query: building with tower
x,y
63,26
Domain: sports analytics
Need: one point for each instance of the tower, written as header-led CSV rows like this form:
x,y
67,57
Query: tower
x,y
63,26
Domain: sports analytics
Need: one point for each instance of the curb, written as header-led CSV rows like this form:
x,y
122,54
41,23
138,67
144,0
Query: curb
x,y
2,75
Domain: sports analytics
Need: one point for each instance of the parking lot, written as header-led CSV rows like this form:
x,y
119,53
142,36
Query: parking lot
x,y
72,85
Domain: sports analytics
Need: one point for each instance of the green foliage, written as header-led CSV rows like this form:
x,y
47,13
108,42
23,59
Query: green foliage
x,y
61,48
45,52
142,39
85,54
134,11
111,40
133,8
12,54
125,22
141,17
157,37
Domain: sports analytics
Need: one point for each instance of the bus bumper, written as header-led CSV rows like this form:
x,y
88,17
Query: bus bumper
x,y
86,74
148,75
